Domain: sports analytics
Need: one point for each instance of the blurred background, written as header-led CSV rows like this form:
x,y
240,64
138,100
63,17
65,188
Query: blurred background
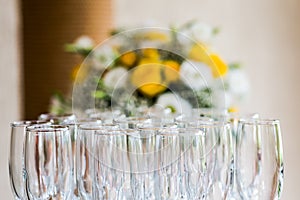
x,y
263,34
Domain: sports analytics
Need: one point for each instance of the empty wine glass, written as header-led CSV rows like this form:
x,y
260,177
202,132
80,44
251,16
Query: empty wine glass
x,y
85,157
259,159
48,162
17,171
169,165
199,155
111,167
71,121
223,173
233,119
144,161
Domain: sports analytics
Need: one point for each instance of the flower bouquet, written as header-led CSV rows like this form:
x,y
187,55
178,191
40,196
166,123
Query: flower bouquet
x,y
151,70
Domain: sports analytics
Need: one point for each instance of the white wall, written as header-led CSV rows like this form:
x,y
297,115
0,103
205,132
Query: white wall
x,y
264,35
10,94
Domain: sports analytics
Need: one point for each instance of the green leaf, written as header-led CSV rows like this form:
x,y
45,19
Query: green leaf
x,y
216,31
233,66
99,94
71,48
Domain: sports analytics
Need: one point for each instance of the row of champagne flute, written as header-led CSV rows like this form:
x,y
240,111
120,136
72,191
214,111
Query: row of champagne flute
x,y
60,157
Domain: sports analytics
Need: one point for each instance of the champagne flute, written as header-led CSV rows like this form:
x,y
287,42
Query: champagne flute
x,y
48,162
111,165
17,171
71,121
85,157
199,147
223,173
259,159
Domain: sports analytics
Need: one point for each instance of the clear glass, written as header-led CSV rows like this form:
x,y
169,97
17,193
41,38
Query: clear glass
x,y
191,122
71,121
74,133
112,169
105,116
259,159
129,122
233,119
84,163
209,112
17,171
142,147
187,159
199,149
48,162
224,166
170,179
85,158
58,119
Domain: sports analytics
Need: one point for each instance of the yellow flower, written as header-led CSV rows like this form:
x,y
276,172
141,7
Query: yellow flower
x,y
145,61
150,53
153,35
233,109
171,70
76,76
147,78
217,65
199,53
128,59
219,68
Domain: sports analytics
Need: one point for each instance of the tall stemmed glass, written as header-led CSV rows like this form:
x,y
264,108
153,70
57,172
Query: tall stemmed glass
x,y
259,159
168,157
233,119
70,121
223,173
48,163
85,157
199,147
17,172
111,166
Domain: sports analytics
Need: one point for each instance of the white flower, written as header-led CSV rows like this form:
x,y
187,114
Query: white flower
x,y
221,99
175,103
116,78
84,42
196,75
199,32
103,56
238,83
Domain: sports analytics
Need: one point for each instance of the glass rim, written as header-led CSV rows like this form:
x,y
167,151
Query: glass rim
x,y
193,119
155,125
184,131
47,128
96,127
206,111
118,131
130,119
25,123
259,121
79,122
190,131
58,116
213,123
